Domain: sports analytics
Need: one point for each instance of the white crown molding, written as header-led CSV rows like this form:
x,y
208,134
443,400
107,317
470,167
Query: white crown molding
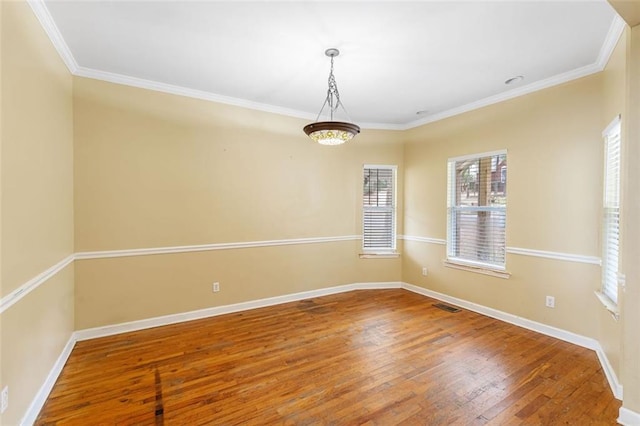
x,y
505,96
628,417
187,92
42,13
567,336
110,330
609,44
48,24
209,247
12,298
43,393
611,40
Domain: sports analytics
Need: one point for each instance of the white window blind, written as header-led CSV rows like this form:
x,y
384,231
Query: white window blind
x,y
477,210
379,209
611,216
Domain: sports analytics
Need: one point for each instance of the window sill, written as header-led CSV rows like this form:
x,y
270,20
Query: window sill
x,y
477,269
379,255
609,305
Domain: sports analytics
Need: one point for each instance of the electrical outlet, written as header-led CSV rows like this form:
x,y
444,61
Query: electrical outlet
x,y
216,287
550,302
424,271
4,399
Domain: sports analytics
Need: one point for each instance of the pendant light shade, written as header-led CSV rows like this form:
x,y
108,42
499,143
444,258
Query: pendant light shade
x,y
331,132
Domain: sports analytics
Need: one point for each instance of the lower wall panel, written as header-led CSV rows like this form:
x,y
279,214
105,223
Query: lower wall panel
x,y
118,290
36,330
523,294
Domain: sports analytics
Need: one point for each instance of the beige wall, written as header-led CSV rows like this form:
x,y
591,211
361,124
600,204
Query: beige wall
x,y
631,230
553,139
614,100
37,204
158,170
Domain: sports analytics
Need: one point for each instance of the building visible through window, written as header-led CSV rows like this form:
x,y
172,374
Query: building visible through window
x,y
379,209
477,209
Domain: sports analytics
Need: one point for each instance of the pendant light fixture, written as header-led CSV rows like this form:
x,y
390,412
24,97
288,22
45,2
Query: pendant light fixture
x,y
331,132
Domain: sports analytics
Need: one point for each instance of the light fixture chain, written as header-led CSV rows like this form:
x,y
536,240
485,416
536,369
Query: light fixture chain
x,y
333,96
330,132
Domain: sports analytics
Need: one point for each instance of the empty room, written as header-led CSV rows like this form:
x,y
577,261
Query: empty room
x,y
314,212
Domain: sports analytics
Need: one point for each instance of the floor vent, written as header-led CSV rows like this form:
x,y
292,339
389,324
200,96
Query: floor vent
x,y
446,307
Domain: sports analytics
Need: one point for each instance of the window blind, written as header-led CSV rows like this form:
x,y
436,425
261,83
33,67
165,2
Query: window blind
x,y
378,209
611,212
477,209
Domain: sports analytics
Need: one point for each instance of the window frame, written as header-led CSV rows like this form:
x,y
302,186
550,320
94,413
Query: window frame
x,y
375,251
499,270
610,279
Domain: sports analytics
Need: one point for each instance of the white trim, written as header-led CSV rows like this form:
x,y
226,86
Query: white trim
x,y
608,304
548,330
609,372
110,330
393,167
477,156
208,96
477,268
189,93
611,40
208,247
380,255
515,93
36,405
12,298
567,336
423,239
48,24
16,295
42,13
627,417
614,123
569,257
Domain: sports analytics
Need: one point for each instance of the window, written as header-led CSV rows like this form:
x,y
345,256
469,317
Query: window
x,y
379,209
611,211
477,210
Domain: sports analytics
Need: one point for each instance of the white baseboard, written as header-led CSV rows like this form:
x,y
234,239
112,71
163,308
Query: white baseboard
x,y
548,330
610,374
41,397
109,330
628,417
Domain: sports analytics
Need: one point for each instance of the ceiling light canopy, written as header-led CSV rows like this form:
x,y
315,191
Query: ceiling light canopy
x,y
331,132
513,80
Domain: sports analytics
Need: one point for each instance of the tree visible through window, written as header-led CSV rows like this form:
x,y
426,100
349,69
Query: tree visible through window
x,y
477,209
379,209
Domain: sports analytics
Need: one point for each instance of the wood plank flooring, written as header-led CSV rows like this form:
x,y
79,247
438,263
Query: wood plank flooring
x,y
379,357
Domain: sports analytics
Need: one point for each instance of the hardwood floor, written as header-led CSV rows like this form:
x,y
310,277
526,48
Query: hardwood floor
x,y
379,357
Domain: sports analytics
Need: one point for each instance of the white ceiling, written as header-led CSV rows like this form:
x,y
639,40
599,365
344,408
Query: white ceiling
x,y
396,58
